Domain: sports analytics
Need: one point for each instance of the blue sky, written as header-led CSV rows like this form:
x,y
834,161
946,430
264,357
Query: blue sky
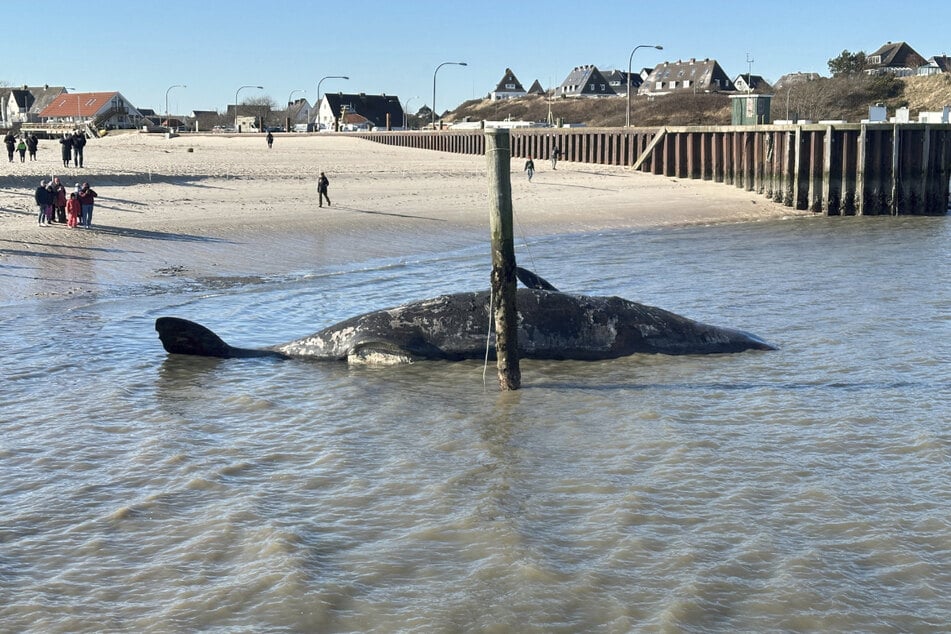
x,y
394,47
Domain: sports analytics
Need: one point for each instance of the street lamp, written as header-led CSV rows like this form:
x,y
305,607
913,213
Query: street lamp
x,y
629,62
236,103
317,104
406,109
166,102
292,94
434,87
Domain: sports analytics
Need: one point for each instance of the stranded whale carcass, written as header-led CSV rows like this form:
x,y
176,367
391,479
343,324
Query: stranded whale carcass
x,y
551,325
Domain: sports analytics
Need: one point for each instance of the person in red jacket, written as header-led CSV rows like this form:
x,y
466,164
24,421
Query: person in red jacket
x,y
73,210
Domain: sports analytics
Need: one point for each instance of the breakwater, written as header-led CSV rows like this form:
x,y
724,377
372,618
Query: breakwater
x,y
832,169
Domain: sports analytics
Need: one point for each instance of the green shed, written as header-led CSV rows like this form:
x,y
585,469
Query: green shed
x,y
750,109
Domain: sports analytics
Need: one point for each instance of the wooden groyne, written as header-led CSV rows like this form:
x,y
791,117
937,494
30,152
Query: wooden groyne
x,y
832,169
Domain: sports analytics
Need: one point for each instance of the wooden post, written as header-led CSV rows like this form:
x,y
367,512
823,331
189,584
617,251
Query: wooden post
x,y
503,283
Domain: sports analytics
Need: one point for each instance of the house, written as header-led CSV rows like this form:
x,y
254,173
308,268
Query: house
x,y
298,112
896,58
536,88
508,88
617,80
380,111
22,105
100,109
751,83
936,65
691,75
585,81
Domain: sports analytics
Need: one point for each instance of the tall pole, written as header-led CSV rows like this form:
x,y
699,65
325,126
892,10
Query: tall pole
x,y
498,153
406,109
166,102
236,103
434,86
317,103
630,61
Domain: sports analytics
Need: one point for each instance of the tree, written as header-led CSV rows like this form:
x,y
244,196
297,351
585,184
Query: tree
x,y
848,64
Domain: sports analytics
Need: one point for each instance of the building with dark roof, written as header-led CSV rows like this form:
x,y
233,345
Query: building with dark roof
x,y
585,81
691,75
896,58
936,65
617,80
379,111
509,87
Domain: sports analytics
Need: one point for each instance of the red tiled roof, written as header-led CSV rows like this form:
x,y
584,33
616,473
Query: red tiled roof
x,y
83,104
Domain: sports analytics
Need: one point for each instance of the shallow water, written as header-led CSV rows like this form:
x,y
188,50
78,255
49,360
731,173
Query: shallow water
x,y
803,489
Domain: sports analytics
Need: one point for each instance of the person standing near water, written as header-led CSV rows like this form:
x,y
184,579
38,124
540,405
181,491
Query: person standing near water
x,y
322,184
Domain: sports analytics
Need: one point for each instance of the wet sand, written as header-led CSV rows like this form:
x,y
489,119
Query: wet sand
x,y
227,206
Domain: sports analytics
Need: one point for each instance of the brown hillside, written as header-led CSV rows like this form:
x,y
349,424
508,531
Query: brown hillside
x,y
846,99
927,93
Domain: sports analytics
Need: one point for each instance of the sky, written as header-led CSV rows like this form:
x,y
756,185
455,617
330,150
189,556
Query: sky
x,y
394,48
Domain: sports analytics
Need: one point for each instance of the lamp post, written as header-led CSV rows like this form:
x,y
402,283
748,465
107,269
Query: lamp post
x,y
317,104
434,86
166,102
630,60
77,104
406,109
236,103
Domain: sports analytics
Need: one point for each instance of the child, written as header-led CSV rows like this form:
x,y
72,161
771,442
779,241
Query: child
x,y
73,209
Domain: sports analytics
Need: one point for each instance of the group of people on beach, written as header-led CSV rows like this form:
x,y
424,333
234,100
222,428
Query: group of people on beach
x,y
72,210
25,143
72,148
530,163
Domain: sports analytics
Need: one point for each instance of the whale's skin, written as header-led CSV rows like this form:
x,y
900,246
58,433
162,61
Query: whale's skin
x,y
551,325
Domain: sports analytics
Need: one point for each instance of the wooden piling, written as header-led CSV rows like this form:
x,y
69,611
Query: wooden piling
x,y
503,281
846,169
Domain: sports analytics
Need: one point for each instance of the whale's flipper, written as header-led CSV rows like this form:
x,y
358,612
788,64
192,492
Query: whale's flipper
x,y
530,280
180,336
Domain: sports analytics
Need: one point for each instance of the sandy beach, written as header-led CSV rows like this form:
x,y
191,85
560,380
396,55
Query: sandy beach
x,y
227,206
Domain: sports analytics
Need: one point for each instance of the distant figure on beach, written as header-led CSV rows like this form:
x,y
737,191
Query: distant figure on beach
x,y
270,139
73,210
21,150
529,168
44,201
10,141
322,184
555,155
59,200
32,142
67,149
87,197
79,142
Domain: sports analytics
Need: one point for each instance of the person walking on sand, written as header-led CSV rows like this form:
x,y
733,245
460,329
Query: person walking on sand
x,y
322,184
21,150
529,168
87,197
73,210
555,155
32,142
44,200
79,142
270,139
11,142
